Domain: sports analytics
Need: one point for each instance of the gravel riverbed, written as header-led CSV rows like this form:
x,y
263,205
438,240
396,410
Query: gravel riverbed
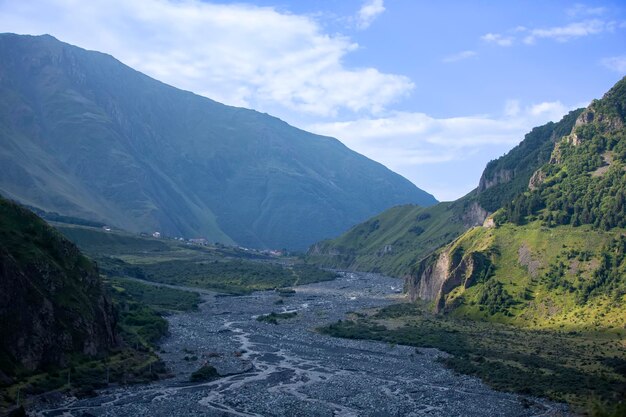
x,y
287,369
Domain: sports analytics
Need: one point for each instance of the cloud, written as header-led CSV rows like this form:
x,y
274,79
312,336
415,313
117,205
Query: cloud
x,y
615,63
368,12
407,142
498,39
584,10
459,56
559,33
570,31
234,53
512,108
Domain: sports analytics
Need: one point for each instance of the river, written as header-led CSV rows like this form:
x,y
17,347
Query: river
x,y
287,369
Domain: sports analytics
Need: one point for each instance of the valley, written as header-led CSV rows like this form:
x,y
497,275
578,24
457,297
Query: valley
x,y
164,254
290,369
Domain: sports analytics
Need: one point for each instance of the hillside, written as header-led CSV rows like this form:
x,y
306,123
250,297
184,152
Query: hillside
x,y
533,300
52,301
85,136
395,240
556,253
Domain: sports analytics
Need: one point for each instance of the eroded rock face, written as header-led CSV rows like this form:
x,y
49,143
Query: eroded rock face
x,y
52,302
438,275
590,116
474,215
499,177
536,180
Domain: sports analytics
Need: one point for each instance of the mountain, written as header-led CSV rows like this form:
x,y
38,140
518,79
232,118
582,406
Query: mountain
x,y
52,302
85,136
395,240
556,253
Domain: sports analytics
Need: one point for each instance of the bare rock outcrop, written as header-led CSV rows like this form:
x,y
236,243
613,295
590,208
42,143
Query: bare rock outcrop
x,y
441,273
474,215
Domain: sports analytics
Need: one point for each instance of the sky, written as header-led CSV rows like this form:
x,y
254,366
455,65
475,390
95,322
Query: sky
x,y
432,90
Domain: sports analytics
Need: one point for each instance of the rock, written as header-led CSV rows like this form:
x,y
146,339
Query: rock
x,y
474,215
536,180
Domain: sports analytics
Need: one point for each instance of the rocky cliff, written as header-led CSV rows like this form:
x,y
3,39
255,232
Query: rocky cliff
x,y
442,272
52,302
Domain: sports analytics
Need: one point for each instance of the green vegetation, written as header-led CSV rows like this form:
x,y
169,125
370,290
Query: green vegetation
x,y
141,307
580,367
52,294
233,276
205,373
509,175
161,299
534,276
274,317
395,240
534,301
129,151
213,267
585,182
392,242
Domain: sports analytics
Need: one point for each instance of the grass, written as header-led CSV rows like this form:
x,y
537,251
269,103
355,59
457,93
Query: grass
x,y
214,267
273,318
581,368
393,241
161,299
544,271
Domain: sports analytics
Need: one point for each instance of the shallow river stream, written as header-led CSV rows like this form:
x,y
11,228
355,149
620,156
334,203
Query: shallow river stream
x,y
289,370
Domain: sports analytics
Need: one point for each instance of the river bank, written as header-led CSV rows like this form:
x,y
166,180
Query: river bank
x,y
287,369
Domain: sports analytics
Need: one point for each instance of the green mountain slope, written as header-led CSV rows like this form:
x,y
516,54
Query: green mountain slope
x,y
534,300
52,302
395,240
555,255
86,136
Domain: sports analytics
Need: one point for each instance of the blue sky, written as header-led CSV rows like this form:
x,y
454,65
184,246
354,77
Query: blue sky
x,y
433,90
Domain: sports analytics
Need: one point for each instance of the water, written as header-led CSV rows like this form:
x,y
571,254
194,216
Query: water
x,y
290,370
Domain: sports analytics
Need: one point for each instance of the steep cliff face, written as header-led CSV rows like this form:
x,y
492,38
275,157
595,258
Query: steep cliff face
x,y
456,265
501,176
52,303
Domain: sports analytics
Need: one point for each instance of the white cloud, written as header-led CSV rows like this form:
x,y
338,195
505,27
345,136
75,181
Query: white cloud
x,y
404,141
459,56
559,33
615,63
512,108
582,10
498,39
570,31
238,54
370,10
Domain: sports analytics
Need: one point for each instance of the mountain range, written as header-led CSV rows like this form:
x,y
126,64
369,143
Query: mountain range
x,y
83,135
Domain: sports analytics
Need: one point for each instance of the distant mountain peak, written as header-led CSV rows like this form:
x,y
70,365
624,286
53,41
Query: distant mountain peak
x,y
86,136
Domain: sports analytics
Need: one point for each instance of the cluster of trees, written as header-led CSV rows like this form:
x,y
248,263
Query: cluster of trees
x,y
495,298
531,154
608,277
574,192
